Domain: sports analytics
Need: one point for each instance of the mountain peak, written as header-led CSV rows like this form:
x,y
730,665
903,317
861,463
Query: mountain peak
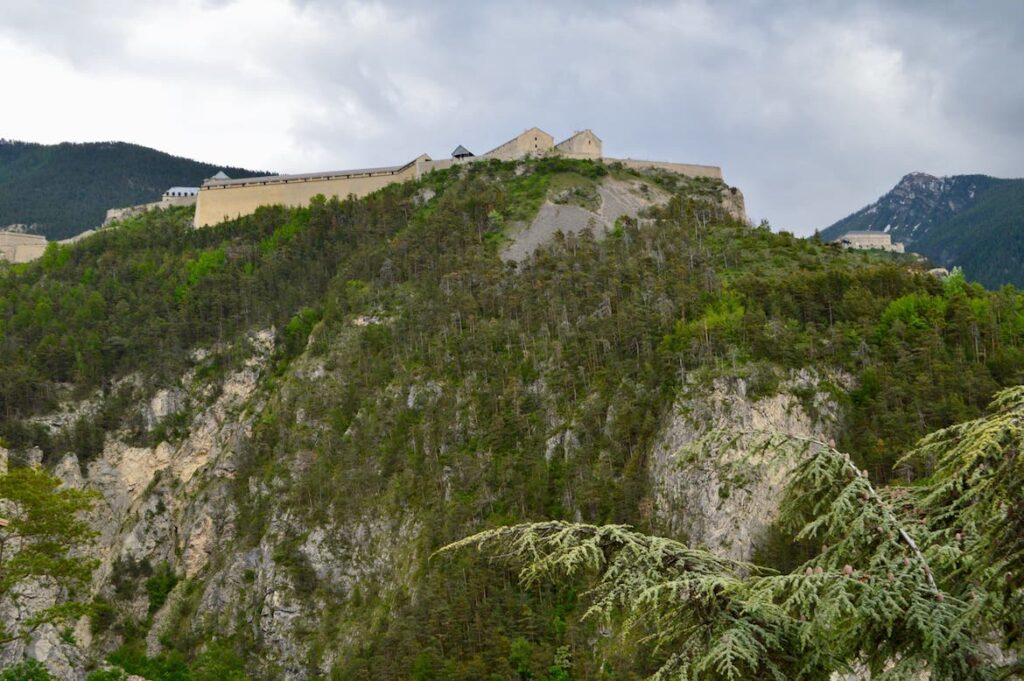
x,y
916,177
943,218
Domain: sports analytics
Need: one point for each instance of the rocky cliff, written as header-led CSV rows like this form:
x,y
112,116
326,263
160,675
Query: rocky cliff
x,y
287,415
175,505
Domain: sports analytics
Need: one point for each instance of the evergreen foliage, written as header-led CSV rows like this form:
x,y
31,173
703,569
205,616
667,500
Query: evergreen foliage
x,y
43,542
971,221
65,189
423,389
908,580
30,670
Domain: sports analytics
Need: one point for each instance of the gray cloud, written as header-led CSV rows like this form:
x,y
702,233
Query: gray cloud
x,y
812,108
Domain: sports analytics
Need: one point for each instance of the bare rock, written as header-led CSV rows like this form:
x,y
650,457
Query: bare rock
x,y
726,499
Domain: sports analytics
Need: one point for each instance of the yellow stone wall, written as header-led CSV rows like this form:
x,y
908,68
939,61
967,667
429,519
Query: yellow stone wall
x,y
226,202
688,169
18,248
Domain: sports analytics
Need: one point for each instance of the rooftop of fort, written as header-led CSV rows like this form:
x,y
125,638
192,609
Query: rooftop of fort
x,y
304,177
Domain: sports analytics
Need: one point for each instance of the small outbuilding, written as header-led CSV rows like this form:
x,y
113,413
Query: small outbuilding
x,y
180,192
462,152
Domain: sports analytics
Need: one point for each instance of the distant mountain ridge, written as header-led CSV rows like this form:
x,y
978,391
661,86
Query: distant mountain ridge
x,y
972,221
60,190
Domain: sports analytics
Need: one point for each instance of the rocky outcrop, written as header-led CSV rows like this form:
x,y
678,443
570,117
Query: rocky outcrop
x,y
55,649
174,503
726,497
169,503
615,199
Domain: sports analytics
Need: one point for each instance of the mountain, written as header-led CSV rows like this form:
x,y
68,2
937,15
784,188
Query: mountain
x,y
61,190
972,221
283,418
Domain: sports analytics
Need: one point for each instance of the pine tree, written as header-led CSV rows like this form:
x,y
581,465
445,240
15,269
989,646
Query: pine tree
x,y
909,580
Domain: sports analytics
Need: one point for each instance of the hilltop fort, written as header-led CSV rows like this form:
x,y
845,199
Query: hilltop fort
x,y
222,199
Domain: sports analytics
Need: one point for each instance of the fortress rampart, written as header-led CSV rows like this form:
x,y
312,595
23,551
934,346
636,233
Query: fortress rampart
x,y
687,169
18,248
226,199
175,196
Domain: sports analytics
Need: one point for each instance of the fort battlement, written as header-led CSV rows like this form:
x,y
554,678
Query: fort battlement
x,y
221,198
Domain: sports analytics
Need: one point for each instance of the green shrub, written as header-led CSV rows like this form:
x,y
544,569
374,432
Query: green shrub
x,y
159,586
107,675
29,670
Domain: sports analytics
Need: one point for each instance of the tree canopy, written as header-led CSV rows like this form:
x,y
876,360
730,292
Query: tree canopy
x,y
908,579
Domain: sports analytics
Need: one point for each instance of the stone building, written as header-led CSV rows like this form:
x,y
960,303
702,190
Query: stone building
x,y
870,240
584,144
221,198
175,196
18,248
532,142
180,196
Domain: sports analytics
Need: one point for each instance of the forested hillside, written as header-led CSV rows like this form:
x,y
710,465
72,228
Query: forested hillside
x,y
357,384
64,189
968,221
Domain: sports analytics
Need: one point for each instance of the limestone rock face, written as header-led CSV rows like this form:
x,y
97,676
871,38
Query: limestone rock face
x,y
169,503
62,658
165,403
270,578
726,499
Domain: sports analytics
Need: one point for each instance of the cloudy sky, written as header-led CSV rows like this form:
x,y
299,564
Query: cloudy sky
x,y
812,108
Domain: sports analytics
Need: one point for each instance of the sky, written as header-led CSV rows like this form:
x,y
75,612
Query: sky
x,y
813,109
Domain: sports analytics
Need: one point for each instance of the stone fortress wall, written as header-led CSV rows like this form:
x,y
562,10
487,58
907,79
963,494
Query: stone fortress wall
x,y
18,248
225,199
175,196
583,144
870,240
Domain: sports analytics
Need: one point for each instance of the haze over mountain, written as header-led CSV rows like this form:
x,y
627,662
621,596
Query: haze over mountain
x,y
60,190
972,221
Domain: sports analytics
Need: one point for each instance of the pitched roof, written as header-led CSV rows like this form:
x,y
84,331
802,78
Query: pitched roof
x,y
221,175
580,133
461,151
